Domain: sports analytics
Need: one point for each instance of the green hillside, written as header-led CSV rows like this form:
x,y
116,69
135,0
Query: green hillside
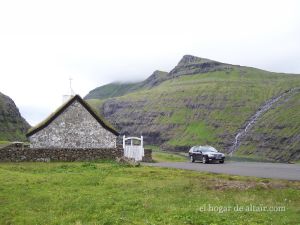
x,y
210,107
12,125
110,90
277,132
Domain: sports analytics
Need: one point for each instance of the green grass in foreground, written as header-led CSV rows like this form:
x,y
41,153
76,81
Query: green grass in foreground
x,y
162,156
167,157
108,193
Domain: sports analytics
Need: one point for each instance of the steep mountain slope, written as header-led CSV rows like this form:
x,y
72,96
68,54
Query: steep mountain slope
x,y
155,79
12,125
205,102
277,133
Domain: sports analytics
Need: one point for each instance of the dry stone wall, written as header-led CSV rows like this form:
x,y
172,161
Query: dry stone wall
x,y
19,153
14,154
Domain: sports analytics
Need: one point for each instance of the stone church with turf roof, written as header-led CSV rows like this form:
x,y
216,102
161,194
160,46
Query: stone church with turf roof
x,y
74,125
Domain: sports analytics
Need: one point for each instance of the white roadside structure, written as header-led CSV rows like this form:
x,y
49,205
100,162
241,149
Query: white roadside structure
x,y
132,151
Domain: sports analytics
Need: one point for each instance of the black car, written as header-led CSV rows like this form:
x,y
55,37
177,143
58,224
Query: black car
x,y
205,154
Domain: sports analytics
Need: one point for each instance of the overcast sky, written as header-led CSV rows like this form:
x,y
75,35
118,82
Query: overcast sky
x,y
43,43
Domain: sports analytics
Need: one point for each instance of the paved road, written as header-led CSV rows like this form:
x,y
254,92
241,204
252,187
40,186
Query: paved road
x,y
257,169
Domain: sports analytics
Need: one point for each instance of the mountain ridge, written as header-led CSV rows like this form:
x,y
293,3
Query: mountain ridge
x,y
116,89
188,65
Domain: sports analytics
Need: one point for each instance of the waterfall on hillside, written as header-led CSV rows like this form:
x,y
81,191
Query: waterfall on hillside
x,y
265,107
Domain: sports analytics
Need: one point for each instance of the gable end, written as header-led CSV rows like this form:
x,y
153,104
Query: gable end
x,y
63,108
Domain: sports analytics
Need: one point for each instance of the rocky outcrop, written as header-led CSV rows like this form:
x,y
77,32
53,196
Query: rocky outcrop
x,y
12,125
189,65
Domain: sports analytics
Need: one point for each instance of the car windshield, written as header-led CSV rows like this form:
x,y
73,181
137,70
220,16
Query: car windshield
x,y
207,149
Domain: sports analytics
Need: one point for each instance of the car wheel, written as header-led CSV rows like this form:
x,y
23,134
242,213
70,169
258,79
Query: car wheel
x,y
204,159
221,161
192,159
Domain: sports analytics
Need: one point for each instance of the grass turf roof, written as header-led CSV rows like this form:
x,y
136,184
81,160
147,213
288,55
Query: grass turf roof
x,y
62,108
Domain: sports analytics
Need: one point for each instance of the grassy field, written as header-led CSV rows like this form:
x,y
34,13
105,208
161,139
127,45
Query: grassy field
x,y
162,156
109,193
159,156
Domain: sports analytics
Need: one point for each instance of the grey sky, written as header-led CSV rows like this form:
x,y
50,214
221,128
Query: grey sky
x,y
43,43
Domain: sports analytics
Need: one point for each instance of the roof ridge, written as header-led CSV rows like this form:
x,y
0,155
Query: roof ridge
x,y
62,108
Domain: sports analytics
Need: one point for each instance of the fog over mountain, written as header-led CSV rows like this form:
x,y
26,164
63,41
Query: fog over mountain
x,y
44,43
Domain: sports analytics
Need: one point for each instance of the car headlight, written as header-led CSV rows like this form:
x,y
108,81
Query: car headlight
x,y
210,155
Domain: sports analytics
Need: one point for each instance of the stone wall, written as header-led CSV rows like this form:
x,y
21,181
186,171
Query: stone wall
x,y
147,155
19,154
74,128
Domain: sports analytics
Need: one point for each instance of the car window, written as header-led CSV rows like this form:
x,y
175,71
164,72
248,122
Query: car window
x,y
194,149
209,150
203,149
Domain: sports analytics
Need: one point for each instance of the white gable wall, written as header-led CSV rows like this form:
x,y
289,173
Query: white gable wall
x,y
74,128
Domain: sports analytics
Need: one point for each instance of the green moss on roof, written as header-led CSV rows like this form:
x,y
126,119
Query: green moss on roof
x,y
44,122
62,108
